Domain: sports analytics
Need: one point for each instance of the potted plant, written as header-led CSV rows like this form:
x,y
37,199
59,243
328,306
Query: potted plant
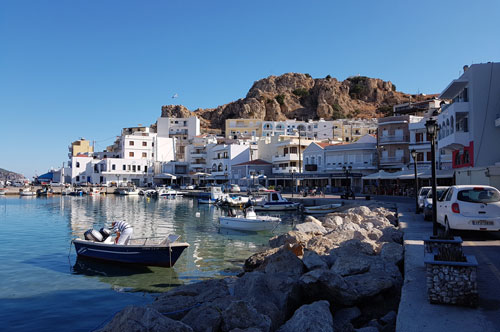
x,y
451,276
434,243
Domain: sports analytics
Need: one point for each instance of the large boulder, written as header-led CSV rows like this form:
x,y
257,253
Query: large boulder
x,y
291,237
321,244
283,262
242,315
256,260
343,318
391,234
311,227
392,252
208,316
313,261
274,294
322,284
180,300
143,319
314,317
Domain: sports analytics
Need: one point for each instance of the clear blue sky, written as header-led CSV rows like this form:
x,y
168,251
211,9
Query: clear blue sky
x,y
83,68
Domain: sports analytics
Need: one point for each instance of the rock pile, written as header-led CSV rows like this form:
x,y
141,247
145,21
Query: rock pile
x,y
339,273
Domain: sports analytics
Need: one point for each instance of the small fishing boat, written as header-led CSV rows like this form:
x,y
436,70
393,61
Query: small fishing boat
x,y
138,251
321,209
45,192
249,222
127,191
168,193
235,201
275,202
2,191
27,192
216,195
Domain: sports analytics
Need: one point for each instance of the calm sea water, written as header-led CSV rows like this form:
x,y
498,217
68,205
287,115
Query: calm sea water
x,y
43,287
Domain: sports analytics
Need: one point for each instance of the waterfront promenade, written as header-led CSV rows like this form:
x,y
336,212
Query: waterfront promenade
x,y
415,313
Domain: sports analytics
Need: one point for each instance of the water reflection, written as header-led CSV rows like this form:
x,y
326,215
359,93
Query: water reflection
x,y
213,251
129,278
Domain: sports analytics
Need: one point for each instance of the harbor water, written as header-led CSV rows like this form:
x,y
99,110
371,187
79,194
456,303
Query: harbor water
x,y
44,287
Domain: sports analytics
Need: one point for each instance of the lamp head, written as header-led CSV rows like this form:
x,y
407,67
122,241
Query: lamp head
x,y
430,125
413,153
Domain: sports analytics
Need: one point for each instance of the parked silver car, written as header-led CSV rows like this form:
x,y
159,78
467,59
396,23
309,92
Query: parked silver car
x,y
422,193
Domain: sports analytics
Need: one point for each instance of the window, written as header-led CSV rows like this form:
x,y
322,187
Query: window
x,y
128,167
113,167
144,143
77,178
419,137
145,168
130,154
77,164
293,149
429,156
138,167
420,156
124,167
131,143
144,155
133,168
319,160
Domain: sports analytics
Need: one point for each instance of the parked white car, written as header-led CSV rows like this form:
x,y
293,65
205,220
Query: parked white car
x,y
422,193
428,201
470,207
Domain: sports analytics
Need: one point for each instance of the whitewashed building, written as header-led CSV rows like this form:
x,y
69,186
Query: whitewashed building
x,y
182,129
222,157
470,124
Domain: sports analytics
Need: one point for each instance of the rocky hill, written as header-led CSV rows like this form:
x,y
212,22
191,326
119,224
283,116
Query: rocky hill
x,y
301,97
6,175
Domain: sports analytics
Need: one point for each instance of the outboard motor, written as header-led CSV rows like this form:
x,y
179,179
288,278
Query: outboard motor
x,y
93,235
105,233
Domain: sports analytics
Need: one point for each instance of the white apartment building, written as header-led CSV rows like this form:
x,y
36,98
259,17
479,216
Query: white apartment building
x,y
470,124
182,129
197,153
288,152
420,142
222,157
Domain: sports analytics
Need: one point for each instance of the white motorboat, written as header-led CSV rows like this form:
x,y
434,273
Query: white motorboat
x,y
168,192
216,195
275,202
127,191
249,222
321,209
27,192
236,201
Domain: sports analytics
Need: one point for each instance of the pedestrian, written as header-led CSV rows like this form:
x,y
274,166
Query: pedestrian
x,y
123,231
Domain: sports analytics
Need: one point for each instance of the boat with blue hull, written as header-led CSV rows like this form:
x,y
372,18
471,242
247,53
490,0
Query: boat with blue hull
x,y
138,251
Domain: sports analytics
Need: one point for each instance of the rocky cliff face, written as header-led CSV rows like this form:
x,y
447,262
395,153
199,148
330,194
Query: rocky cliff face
x,y
6,175
299,96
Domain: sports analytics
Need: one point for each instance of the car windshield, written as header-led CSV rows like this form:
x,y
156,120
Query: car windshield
x,y
424,191
439,192
479,195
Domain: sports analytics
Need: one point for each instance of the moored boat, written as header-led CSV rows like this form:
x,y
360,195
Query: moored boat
x,y
2,191
127,191
321,209
249,222
216,195
27,192
137,251
275,202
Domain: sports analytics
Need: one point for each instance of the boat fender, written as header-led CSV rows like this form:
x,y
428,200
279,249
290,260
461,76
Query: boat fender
x,y
105,232
93,235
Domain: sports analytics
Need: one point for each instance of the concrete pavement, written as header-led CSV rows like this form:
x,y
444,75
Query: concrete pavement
x,y
416,314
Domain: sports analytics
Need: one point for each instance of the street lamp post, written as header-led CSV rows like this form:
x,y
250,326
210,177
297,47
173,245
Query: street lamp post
x,y
292,171
432,129
414,156
346,172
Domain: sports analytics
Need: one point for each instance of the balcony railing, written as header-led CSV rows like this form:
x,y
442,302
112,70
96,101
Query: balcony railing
x,y
394,139
311,167
391,160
